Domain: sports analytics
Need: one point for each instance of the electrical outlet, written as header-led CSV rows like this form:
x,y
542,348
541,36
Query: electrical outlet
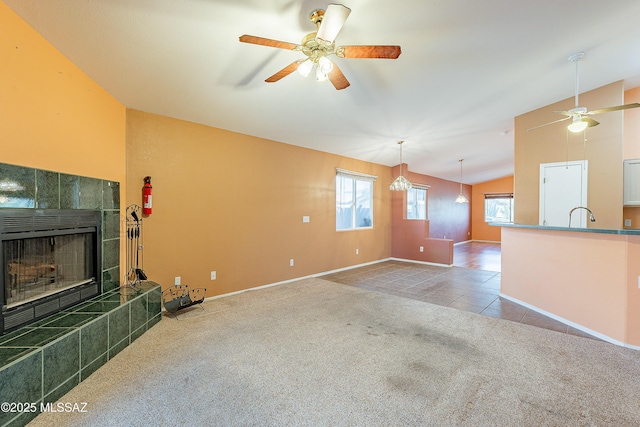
x,y
291,262
357,251
213,275
176,280
305,218
421,248
627,223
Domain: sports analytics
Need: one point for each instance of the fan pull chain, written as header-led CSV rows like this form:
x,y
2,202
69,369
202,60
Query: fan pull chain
x,y
566,166
584,147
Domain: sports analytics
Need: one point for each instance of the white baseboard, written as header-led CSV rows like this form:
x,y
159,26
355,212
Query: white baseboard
x,y
570,323
421,262
476,241
269,285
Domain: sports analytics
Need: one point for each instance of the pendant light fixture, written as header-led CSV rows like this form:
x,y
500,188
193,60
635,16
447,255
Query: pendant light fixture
x,y
461,198
400,183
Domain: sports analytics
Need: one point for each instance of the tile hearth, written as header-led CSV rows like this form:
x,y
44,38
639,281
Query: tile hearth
x,y
41,362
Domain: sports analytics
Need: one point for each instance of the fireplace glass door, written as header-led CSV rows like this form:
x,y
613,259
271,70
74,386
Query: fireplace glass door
x,y
40,266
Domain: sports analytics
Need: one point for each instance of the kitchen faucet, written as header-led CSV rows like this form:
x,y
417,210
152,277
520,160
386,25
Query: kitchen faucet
x,y
591,217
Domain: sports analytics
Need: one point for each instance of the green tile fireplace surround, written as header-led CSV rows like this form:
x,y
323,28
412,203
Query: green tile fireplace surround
x,y
29,188
41,362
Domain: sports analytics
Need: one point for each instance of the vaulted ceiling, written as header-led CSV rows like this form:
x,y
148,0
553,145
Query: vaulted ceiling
x,y
467,68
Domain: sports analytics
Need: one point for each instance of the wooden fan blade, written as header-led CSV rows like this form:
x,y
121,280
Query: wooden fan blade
x,y
268,42
383,52
338,79
617,108
284,72
332,22
550,123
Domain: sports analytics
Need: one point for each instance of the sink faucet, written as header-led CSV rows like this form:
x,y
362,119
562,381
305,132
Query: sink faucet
x,y
591,217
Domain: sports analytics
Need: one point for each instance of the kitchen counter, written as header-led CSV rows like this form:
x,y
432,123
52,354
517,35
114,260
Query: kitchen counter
x,y
626,231
588,278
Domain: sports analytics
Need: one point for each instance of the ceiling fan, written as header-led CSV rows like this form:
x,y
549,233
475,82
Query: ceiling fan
x,y
319,45
579,116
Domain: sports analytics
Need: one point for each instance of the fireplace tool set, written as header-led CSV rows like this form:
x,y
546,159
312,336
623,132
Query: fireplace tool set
x,y
135,249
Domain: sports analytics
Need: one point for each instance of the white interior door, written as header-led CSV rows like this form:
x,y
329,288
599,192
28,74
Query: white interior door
x,y
563,186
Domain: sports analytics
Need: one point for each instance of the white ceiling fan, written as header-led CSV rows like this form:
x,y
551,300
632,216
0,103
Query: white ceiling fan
x,y
319,45
579,116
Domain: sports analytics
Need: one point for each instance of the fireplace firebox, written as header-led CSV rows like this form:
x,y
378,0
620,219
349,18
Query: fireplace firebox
x,y
51,260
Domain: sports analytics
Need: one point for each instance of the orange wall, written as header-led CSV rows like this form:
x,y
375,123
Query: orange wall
x,y
447,221
603,150
482,230
632,213
234,203
632,125
632,145
54,117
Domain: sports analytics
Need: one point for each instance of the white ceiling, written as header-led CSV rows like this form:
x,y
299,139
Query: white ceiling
x,y
467,68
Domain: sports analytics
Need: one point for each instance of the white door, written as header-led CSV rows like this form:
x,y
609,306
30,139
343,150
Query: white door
x,y
563,186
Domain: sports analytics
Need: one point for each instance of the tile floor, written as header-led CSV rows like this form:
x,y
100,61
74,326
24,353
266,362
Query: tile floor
x,y
465,286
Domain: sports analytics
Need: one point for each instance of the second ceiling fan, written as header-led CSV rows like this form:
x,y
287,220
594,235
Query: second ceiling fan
x,y
579,116
320,45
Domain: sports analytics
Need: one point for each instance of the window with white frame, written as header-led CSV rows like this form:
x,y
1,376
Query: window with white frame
x,y
417,203
354,200
498,207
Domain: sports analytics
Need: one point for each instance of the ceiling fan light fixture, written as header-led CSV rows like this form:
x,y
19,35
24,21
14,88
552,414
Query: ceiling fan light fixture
x,y
325,65
578,125
305,67
320,76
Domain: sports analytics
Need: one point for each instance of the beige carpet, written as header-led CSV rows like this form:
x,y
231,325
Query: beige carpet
x,y
315,353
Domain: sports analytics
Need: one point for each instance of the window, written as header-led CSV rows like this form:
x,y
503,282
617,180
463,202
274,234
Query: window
x,y
354,200
417,203
498,207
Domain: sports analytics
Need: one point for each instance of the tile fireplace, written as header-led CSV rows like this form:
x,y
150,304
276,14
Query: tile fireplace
x,y
51,260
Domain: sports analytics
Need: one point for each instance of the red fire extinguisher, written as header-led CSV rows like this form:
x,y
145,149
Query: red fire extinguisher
x,y
147,203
